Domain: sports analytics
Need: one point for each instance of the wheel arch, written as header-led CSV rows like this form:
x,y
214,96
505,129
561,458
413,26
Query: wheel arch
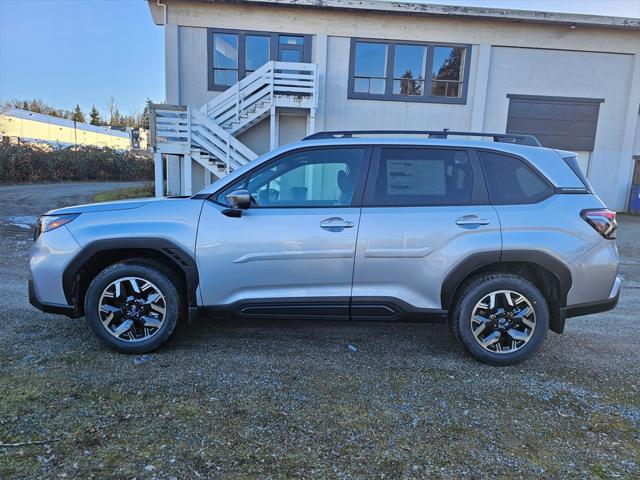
x,y
100,254
548,274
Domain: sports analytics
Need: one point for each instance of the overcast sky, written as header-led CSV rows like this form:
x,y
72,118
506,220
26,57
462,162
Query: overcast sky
x,y
83,51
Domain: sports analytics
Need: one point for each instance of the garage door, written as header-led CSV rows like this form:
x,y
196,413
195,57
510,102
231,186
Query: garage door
x,y
558,122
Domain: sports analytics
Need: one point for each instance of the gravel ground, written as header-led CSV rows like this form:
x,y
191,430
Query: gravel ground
x,y
238,399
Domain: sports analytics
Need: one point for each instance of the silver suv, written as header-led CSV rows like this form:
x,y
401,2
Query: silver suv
x,y
503,239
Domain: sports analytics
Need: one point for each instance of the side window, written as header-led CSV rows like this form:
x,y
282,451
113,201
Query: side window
x,y
308,178
511,181
422,177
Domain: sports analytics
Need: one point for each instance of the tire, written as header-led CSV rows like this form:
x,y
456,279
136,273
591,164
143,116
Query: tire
x,y
505,326
151,320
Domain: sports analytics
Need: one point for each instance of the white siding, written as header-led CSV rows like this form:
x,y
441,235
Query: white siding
x,y
193,67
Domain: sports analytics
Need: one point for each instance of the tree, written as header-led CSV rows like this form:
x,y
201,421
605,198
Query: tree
x,y
95,116
77,115
409,85
116,119
144,121
112,110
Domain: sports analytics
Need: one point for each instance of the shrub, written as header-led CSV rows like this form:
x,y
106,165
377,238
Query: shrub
x,y
26,163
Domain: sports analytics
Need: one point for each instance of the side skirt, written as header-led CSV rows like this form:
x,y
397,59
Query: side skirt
x,y
383,309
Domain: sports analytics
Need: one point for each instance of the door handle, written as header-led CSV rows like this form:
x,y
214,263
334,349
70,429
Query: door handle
x,y
335,224
471,221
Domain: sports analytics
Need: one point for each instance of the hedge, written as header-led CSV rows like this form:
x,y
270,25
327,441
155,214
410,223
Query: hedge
x,y
27,163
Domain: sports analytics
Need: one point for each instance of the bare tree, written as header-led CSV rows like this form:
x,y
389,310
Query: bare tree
x,y
112,110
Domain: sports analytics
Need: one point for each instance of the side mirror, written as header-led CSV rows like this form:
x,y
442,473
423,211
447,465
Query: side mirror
x,y
238,200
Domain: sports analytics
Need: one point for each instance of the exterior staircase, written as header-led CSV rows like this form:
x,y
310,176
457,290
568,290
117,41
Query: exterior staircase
x,y
207,135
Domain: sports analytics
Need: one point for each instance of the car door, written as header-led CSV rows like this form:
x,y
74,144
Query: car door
x,y
425,210
292,251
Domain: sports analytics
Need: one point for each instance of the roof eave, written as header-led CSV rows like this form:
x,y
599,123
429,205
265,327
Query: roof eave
x,y
451,11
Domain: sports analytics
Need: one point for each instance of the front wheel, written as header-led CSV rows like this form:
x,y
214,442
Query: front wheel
x,y
133,306
501,319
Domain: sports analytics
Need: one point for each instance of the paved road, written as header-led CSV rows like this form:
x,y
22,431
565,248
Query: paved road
x,y
293,399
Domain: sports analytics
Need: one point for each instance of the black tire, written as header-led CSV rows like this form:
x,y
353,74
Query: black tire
x,y
478,288
161,277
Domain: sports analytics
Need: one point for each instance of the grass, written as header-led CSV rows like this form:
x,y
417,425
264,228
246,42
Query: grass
x,y
123,193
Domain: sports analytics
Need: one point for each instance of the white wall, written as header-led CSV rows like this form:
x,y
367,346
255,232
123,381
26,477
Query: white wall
x,y
571,74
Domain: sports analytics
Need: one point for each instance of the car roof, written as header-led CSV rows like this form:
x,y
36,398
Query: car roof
x,y
546,160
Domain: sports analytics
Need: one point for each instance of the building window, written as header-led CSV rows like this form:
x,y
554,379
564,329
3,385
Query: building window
x,y
235,54
257,52
225,58
408,71
370,69
447,72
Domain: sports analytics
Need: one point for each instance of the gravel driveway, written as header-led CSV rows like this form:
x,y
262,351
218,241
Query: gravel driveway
x,y
238,399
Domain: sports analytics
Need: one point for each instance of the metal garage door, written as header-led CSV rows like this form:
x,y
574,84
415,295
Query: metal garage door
x,y
558,122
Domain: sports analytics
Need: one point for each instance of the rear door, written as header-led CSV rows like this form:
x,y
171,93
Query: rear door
x,y
425,210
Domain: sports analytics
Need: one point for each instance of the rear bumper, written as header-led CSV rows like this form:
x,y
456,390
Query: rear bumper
x,y
599,306
67,310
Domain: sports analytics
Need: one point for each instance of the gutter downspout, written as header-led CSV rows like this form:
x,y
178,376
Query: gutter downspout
x,y
164,9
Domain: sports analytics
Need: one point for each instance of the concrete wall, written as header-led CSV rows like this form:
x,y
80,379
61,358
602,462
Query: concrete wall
x,y
507,57
257,137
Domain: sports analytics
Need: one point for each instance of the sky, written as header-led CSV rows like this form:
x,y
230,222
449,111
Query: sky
x,y
83,51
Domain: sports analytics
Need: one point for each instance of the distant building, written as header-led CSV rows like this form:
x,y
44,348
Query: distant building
x,y
245,76
29,127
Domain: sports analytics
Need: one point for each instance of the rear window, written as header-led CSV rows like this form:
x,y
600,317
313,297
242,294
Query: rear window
x,y
422,177
511,181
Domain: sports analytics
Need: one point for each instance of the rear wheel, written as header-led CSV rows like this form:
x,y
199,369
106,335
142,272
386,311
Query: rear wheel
x,y
133,306
501,319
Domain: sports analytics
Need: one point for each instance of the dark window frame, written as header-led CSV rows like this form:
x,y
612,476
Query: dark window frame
x,y
242,34
551,189
358,192
426,95
479,191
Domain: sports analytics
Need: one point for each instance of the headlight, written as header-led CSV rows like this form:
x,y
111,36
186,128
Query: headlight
x,y
47,223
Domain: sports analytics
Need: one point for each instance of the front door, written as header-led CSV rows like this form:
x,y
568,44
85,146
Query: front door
x,y
291,48
292,251
424,211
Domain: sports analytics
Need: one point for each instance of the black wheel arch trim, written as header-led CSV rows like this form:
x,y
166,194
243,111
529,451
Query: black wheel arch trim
x,y
176,254
479,260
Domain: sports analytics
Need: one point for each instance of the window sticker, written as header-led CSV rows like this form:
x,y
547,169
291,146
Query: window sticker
x,y
416,177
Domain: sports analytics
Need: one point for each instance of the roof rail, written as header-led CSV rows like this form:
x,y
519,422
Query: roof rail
x,y
521,139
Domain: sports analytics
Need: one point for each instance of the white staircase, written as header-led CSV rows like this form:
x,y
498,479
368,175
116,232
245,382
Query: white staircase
x,y
208,135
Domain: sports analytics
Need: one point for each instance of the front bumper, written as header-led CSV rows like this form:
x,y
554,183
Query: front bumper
x,y
67,310
599,306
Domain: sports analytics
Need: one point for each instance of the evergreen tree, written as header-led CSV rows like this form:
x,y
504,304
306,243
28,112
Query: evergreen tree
x,y
115,120
95,116
77,116
144,121
409,85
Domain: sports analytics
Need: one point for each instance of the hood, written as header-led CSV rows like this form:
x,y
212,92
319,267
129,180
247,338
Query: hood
x,y
107,206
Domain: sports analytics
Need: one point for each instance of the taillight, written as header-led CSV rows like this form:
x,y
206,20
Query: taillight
x,y
603,220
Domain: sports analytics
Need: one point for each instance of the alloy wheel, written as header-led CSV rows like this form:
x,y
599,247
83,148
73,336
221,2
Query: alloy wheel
x,y
132,309
503,321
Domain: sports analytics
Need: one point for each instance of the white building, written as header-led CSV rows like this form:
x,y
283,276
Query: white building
x,y
243,77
